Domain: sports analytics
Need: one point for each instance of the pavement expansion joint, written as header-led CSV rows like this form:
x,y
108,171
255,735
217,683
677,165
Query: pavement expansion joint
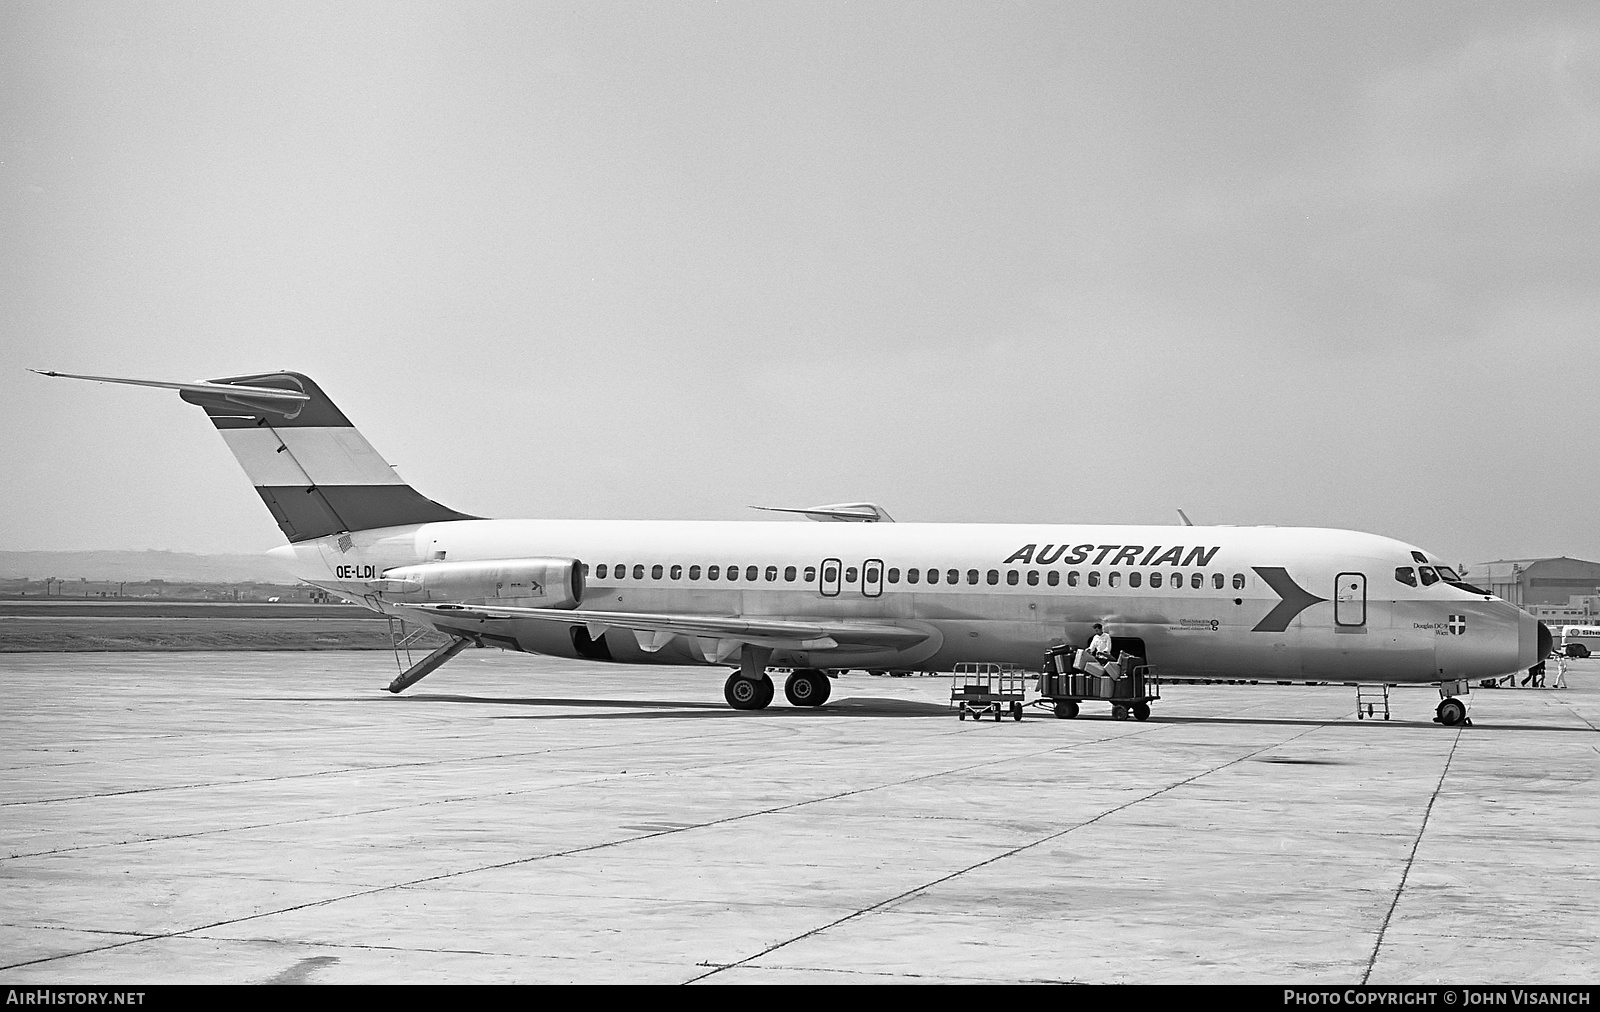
x,y
1411,858
884,904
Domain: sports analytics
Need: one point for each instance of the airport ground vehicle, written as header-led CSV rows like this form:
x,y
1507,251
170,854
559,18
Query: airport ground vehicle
x,y
1579,640
1128,684
978,688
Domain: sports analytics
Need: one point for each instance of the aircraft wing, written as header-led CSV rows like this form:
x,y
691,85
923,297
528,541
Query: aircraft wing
x,y
718,637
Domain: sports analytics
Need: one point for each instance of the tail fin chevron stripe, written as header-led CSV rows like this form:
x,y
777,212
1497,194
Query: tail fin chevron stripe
x,y
314,471
317,474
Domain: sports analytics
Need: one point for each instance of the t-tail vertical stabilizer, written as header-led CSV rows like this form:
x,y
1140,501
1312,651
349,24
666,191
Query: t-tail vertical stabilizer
x,y
316,473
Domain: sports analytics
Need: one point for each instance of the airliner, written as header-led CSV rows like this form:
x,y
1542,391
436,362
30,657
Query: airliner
x,y
817,598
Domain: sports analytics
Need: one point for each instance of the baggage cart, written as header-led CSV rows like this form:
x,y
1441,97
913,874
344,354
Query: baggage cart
x,y
979,688
1129,684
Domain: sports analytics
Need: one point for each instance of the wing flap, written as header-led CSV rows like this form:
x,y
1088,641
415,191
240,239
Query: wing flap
x,y
714,633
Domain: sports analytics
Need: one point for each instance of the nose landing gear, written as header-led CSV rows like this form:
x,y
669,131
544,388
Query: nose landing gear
x,y
1452,709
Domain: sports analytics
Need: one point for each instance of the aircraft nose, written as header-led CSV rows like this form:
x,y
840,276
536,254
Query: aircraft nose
x,y
1533,640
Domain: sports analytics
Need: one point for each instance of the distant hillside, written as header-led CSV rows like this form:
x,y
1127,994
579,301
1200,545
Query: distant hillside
x,y
140,566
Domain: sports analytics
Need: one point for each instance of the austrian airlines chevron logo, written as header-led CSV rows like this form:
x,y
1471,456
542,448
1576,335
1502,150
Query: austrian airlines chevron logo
x,y
1296,599
1458,625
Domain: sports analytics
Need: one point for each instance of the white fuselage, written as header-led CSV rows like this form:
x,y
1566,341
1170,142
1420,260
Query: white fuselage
x,y
1257,602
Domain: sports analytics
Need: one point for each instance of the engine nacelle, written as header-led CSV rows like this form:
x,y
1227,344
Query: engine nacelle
x,y
522,583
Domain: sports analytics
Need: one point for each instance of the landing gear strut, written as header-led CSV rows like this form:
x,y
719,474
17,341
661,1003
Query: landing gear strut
x,y
749,688
807,687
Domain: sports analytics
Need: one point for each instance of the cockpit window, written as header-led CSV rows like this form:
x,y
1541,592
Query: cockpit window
x,y
1446,573
1429,577
1406,575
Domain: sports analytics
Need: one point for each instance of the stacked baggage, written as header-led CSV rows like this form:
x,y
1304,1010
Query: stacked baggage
x,y
1071,676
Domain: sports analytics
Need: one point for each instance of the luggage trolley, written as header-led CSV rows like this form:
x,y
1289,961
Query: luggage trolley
x,y
978,688
1129,684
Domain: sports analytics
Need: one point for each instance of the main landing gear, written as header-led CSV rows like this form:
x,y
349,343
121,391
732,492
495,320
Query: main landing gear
x,y
805,687
747,693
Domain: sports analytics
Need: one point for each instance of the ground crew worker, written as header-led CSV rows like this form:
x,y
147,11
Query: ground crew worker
x,y
1100,644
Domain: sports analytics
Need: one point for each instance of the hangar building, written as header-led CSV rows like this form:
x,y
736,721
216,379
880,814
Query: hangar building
x,y
1556,590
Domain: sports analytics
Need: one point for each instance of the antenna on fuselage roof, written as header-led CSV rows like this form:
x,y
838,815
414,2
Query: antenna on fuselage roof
x,y
1186,521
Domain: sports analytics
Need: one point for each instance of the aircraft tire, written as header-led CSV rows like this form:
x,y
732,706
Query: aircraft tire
x,y
1141,711
1452,712
1066,709
747,693
807,687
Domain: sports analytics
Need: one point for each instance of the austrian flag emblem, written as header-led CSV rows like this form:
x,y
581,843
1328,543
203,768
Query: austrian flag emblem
x,y
1458,625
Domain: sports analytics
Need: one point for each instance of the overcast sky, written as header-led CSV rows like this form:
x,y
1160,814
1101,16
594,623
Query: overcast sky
x,y
1330,265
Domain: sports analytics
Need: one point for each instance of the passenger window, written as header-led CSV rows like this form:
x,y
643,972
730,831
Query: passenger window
x,y
849,574
1429,577
1072,578
1094,577
954,576
972,577
600,571
638,572
1177,581
1238,581
894,576
1133,579
585,568
1011,578
811,574
1053,578
620,571
1114,579
1033,577
1218,581
694,573
1155,580
829,574
933,576
994,577
751,572
1197,580
911,575
788,574
677,572
1406,575
656,571
712,572
772,574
